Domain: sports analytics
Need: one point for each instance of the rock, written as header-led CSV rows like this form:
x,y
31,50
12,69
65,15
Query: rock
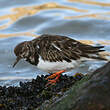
x,y
91,93
30,95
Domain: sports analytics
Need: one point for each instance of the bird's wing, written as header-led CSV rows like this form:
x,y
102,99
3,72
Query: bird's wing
x,y
59,48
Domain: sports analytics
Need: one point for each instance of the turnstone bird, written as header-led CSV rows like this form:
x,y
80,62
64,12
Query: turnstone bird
x,y
55,54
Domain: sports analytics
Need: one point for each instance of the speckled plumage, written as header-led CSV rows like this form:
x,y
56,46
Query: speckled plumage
x,y
55,48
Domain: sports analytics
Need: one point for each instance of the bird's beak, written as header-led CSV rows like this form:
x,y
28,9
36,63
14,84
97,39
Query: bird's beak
x,y
17,60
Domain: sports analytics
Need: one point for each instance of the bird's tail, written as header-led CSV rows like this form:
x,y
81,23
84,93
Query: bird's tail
x,y
104,55
98,53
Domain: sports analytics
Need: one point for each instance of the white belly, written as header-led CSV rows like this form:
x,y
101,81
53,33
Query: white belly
x,y
52,67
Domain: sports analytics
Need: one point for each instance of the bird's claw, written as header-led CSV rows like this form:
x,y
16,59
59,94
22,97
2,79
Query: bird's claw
x,y
54,81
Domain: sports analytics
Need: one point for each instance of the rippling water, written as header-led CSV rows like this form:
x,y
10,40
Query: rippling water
x,y
87,20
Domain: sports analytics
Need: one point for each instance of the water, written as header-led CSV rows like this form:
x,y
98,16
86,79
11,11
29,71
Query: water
x,y
22,20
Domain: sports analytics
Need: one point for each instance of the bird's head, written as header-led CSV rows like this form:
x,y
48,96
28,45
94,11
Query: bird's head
x,y
23,50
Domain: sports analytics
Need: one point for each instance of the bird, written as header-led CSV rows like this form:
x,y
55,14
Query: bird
x,y
56,54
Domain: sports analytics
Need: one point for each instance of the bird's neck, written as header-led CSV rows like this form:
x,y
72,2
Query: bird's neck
x,y
33,59
33,55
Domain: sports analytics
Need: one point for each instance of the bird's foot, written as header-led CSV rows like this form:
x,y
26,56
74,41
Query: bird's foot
x,y
54,81
55,74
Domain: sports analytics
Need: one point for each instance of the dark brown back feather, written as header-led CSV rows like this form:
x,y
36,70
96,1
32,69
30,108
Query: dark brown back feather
x,y
58,48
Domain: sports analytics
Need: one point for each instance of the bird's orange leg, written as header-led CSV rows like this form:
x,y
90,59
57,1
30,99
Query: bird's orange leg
x,y
57,75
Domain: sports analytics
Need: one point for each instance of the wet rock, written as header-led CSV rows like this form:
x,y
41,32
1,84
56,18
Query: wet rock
x,y
96,92
90,94
31,95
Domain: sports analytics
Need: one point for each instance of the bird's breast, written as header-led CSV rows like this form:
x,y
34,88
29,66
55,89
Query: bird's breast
x,y
52,67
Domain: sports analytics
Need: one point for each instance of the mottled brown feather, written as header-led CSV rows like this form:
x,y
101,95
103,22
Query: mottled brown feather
x,y
58,48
